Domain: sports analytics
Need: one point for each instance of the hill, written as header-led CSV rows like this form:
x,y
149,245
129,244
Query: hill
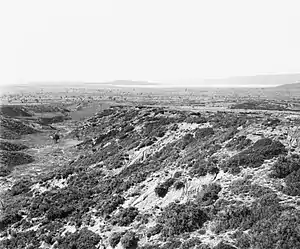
x,y
156,177
289,86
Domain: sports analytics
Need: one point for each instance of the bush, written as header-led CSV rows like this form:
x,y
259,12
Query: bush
x,y
239,143
162,189
210,194
180,218
12,146
255,155
14,158
83,239
107,206
277,232
22,186
292,184
285,166
178,185
129,240
125,216
154,230
204,132
115,239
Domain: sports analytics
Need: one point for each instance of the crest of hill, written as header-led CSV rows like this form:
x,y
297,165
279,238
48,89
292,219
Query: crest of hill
x,y
289,86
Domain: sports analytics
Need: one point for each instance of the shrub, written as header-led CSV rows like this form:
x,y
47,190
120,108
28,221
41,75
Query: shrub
x,y
178,185
162,189
12,146
239,143
114,239
278,231
129,240
154,230
210,194
179,218
204,132
255,155
107,206
285,166
22,186
14,158
292,184
125,216
83,239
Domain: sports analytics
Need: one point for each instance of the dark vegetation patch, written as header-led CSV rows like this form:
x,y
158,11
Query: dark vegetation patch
x,y
162,189
204,132
115,238
107,206
245,187
178,185
255,155
271,122
180,218
20,187
15,127
20,240
239,143
51,120
129,240
13,158
14,111
259,105
288,168
210,193
83,239
125,216
4,145
270,224
285,165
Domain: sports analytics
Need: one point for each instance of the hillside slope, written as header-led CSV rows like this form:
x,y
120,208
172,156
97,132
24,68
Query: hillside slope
x,y
162,178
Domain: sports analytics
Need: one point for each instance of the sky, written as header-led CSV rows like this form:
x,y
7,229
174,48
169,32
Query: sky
x,y
155,40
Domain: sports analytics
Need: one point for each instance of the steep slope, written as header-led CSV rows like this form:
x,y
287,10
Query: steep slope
x,y
161,178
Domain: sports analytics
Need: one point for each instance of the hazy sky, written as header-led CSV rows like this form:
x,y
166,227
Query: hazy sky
x,y
69,40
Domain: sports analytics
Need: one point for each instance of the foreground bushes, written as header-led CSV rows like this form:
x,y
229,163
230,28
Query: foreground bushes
x,y
269,225
289,169
84,239
125,216
180,218
129,240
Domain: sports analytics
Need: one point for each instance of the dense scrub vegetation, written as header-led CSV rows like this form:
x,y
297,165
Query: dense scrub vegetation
x,y
98,182
267,220
4,145
83,239
255,155
288,168
180,218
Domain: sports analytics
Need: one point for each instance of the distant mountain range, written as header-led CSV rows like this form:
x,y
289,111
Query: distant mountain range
x,y
256,81
289,86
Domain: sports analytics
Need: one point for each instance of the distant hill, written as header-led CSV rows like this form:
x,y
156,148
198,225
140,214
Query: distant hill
x,y
124,83
289,86
255,81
